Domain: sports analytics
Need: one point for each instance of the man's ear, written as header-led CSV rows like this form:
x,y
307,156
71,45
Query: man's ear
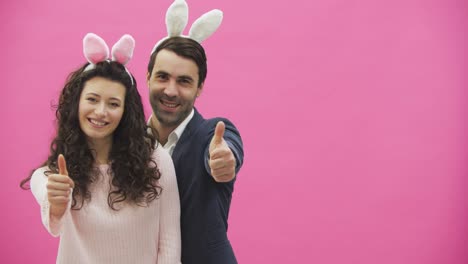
x,y
148,76
200,89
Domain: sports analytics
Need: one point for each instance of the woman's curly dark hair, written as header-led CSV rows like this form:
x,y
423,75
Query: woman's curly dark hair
x,y
135,173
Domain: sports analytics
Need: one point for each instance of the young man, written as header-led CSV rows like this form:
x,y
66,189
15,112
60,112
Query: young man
x,y
207,153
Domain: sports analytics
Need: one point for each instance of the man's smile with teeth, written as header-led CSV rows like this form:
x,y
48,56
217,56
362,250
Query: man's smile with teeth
x,y
168,104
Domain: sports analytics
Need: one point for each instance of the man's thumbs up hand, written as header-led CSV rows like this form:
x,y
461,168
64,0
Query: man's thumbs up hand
x,y
222,161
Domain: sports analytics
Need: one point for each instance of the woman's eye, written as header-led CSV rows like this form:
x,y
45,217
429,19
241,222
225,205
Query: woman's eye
x,y
92,99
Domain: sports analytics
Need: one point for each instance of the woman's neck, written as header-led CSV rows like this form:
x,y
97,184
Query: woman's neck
x,y
101,149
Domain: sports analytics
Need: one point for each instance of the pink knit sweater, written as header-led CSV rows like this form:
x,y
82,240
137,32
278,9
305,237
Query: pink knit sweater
x,y
133,234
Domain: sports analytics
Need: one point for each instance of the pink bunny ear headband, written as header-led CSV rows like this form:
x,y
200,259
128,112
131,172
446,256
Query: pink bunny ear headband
x,y
201,29
96,50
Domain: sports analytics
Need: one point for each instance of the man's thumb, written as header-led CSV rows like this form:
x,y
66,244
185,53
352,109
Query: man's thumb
x,y
62,165
219,133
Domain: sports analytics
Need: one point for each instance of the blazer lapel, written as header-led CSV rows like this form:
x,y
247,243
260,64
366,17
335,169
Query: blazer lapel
x,y
190,129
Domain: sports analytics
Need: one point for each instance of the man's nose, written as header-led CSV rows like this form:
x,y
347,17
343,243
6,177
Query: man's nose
x,y
171,89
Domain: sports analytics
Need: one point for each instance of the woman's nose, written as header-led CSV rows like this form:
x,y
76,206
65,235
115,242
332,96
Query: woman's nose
x,y
101,110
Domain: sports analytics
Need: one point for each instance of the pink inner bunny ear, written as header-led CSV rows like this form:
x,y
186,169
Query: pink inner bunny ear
x,y
122,51
95,48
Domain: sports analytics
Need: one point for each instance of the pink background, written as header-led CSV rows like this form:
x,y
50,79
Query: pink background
x,y
353,115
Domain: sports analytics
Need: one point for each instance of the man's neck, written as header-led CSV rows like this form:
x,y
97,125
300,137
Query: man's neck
x,y
163,131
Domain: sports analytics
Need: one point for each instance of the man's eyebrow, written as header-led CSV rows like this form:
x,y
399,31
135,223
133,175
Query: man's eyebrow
x,y
162,72
185,77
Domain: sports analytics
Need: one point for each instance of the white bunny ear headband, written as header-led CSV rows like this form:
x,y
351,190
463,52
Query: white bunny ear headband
x,y
201,29
96,50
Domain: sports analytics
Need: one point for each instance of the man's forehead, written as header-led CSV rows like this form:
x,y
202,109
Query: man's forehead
x,y
169,56
173,64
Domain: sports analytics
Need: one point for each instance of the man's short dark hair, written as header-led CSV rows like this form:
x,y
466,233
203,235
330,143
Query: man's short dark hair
x,y
186,48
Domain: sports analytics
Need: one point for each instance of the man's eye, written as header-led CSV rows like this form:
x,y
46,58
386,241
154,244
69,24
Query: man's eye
x,y
161,77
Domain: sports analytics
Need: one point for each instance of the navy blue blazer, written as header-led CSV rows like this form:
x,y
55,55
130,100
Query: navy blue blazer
x,y
204,202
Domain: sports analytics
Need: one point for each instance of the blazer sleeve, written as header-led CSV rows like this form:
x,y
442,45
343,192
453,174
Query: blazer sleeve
x,y
39,190
169,250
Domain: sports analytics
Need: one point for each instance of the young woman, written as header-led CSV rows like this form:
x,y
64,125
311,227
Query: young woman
x,y
107,189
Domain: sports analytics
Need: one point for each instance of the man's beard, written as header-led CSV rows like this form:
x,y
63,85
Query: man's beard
x,y
170,119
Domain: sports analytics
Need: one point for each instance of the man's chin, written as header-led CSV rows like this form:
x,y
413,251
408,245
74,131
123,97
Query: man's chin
x,y
167,120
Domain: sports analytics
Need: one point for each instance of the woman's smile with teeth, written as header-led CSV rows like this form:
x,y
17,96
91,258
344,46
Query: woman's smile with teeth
x,y
98,123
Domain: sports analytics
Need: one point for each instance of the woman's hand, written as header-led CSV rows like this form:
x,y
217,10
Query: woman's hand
x,y
59,187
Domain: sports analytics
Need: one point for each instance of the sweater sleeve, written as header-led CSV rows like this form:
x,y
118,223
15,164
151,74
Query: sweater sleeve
x,y
169,230
39,190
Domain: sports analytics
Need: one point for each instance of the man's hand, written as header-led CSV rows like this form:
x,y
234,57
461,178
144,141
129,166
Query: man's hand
x,y
59,188
222,161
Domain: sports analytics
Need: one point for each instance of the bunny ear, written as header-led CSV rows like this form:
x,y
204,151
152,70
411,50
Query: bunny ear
x,y
176,18
95,48
122,51
206,25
